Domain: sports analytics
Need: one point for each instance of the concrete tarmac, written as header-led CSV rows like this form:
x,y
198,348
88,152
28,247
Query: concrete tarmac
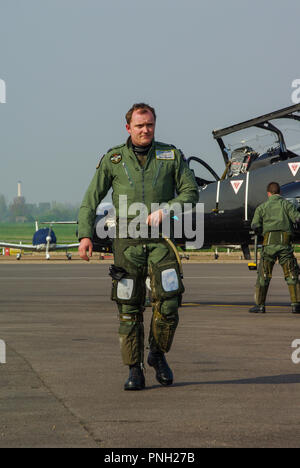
x,y
236,384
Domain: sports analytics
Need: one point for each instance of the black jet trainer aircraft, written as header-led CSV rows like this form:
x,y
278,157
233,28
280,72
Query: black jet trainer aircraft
x,y
255,152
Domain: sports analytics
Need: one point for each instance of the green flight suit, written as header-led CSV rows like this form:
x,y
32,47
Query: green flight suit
x,y
162,177
275,219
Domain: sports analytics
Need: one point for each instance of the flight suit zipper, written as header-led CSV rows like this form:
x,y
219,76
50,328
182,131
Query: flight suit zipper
x,y
127,173
157,174
143,184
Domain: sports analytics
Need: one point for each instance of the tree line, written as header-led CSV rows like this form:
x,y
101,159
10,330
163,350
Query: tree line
x,y
20,211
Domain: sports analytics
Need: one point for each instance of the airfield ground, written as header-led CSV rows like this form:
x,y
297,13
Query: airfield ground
x,y
193,257
62,384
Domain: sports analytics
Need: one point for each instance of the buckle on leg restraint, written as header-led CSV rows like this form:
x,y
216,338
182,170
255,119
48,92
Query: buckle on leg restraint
x,y
117,273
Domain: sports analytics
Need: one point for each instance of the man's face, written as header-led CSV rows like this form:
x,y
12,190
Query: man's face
x,y
141,128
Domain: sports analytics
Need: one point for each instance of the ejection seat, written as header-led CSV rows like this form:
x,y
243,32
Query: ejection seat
x,y
241,160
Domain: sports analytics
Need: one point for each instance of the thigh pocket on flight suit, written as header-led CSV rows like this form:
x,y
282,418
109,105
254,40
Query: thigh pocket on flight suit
x,y
165,280
128,290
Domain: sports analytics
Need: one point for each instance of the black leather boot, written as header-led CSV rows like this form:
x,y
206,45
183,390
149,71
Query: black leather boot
x,y
164,374
258,309
136,379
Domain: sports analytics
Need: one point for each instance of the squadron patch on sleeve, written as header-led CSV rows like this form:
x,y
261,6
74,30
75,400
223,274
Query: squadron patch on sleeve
x,y
116,158
169,155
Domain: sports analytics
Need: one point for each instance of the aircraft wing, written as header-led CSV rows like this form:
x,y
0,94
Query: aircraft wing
x,y
18,246
65,246
35,247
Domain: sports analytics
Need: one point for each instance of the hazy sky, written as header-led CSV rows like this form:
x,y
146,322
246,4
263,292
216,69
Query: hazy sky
x,y
73,68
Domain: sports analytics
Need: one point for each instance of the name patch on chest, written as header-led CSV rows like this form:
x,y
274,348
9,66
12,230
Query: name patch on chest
x,y
160,154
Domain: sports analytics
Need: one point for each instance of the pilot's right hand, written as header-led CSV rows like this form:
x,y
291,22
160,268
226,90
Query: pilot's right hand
x,y
85,246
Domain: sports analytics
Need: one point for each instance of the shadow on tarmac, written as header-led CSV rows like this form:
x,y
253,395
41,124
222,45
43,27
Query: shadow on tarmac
x,y
265,380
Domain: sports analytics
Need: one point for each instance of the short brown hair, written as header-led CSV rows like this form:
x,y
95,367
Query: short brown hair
x,y
273,188
142,107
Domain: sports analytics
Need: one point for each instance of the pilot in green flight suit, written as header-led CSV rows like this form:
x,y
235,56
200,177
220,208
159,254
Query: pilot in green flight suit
x,y
146,171
275,219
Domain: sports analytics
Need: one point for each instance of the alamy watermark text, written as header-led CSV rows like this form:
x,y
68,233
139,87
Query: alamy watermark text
x,y
2,92
296,354
2,352
295,96
184,221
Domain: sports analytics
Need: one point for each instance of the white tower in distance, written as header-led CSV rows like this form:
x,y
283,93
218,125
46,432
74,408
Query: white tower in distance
x,y
19,189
